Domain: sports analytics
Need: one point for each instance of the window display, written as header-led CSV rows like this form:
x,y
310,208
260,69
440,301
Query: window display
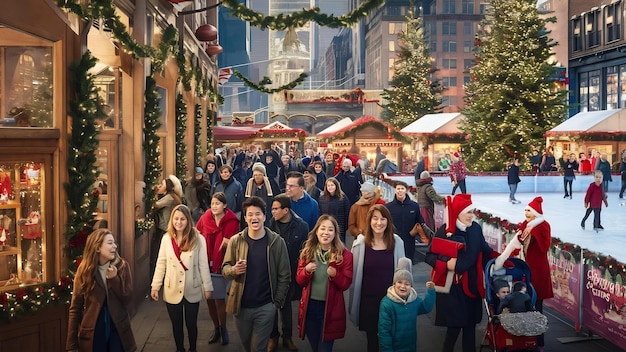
x,y
22,231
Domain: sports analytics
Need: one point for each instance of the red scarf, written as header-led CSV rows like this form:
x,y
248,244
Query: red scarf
x,y
177,252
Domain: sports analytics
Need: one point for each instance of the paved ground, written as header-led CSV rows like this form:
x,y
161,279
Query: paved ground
x,y
152,328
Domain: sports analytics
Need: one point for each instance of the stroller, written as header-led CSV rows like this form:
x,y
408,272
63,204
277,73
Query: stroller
x,y
497,338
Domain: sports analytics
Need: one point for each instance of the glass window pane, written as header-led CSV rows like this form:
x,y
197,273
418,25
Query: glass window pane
x,y
611,87
26,89
583,92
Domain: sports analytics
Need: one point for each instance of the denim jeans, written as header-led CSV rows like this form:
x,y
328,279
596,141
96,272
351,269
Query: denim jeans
x,y
255,326
512,189
314,326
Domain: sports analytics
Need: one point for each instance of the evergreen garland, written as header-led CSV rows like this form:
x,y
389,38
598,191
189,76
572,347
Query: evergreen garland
x,y
181,146
197,150
267,81
300,18
210,117
85,110
152,154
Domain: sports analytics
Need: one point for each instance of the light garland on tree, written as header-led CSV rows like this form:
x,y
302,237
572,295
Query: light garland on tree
x,y
181,145
197,150
152,154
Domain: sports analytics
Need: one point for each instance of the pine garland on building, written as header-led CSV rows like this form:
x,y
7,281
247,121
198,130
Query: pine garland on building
x,y
152,154
415,93
85,110
261,87
181,145
511,98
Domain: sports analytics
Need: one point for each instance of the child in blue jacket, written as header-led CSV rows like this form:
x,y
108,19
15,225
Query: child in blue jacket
x,y
397,323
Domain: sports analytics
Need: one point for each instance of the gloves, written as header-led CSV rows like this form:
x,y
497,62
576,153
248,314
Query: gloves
x,y
513,245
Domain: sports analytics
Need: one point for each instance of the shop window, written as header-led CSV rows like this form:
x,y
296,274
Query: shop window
x,y
583,92
622,85
611,87
594,90
22,224
25,84
613,21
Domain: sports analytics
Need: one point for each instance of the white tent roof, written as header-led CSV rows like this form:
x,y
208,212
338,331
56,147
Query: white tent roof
x,y
593,121
435,123
336,126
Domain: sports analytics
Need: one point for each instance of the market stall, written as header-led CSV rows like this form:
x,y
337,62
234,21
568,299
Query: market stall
x,y
363,135
604,131
435,135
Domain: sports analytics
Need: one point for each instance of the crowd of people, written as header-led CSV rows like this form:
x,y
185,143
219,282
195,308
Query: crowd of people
x,y
250,245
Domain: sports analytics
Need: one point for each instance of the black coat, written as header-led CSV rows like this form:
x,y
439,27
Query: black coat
x,y
295,236
338,208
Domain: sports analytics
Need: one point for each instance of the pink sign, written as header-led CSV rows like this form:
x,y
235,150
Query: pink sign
x,y
565,273
604,308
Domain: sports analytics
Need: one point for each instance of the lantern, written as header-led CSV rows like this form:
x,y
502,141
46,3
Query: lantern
x,y
206,33
214,49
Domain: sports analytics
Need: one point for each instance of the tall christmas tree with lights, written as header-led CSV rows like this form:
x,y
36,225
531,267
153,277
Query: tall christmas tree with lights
x,y
414,93
512,99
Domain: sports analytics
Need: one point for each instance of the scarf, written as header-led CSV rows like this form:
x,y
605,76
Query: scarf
x,y
251,184
322,256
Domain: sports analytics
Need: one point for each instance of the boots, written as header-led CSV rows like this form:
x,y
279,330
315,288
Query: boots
x,y
225,338
217,335
289,345
272,344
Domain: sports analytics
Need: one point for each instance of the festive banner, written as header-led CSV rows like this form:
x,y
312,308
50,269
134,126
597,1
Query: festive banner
x,y
493,235
604,308
565,273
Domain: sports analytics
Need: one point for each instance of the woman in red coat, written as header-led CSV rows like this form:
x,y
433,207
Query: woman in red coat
x,y
218,225
533,239
325,272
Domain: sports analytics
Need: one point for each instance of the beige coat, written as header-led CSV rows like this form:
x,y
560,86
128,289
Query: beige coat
x,y
179,283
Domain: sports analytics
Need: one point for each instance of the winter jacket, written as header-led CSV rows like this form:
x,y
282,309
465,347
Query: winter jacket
x,y
338,208
569,167
307,208
175,280
297,233
595,195
163,210
458,171
267,191
233,191
397,320
214,235
405,215
358,256
335,309
349,185
85,310
513,175
426,194
277,263
605,167
357,219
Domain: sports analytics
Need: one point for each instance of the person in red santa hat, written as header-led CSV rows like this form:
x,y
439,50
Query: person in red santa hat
x,y
531,243
459,304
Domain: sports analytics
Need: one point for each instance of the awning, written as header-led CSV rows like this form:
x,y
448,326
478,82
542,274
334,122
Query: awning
x,y
590,122
435,123
336,126
230,133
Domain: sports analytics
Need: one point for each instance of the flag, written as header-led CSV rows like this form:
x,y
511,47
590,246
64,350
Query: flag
x,y
224,75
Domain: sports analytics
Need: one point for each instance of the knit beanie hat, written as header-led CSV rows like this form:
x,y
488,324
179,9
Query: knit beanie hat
x,y
259,167
456,205
403,272
535,207
178,189
425,174
368,187
199,170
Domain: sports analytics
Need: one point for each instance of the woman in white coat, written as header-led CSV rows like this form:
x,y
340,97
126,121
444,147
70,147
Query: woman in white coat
x,y
183,262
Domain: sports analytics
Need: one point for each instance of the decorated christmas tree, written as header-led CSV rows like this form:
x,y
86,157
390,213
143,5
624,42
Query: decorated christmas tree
x,y
511,98
414,94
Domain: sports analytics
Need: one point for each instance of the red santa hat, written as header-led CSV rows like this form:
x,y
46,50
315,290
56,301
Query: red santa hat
x,y
456,205
535,207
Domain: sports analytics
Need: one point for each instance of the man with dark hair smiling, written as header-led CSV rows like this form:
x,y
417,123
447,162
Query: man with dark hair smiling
x,y
258,289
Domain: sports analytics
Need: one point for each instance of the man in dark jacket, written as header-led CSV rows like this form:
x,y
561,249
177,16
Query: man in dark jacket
x,y
287,166
349,184
294,231
405,214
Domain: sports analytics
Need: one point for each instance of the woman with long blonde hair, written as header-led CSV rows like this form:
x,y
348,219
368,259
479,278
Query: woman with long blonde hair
x,y
98,315
325,272
183,265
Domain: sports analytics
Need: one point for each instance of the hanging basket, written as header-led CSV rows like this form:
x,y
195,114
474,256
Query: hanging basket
x,y
206,33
